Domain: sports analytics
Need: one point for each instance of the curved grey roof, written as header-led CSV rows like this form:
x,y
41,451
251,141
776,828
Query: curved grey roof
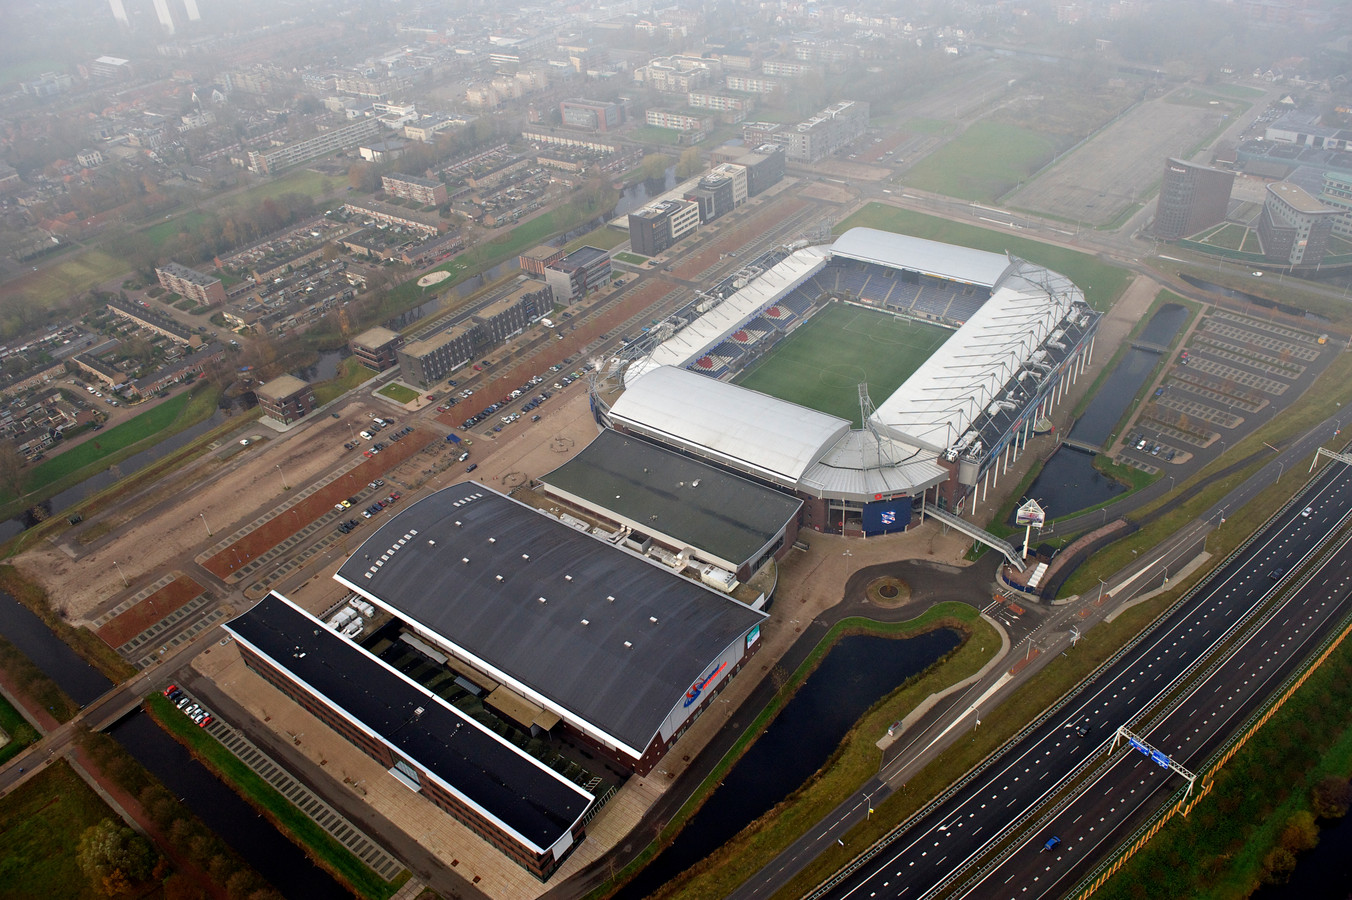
x,y
744,429
603,637
902,251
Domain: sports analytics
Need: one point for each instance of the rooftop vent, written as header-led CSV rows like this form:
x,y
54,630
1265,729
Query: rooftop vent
x,y
652,619
568,578
543,600
497,577
628,644
585,622
492,540
465,560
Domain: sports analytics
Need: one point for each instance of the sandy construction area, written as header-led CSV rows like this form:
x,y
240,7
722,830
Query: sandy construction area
x,y
165,525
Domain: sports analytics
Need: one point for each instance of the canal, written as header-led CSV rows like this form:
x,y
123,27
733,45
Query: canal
x,y
857,672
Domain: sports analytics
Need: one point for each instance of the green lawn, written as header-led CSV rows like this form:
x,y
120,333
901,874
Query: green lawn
x,y
984,162
70,276
163,231
299,181
927,126
603,238
1102,284
42,822
822,363
632,258
17,730
651,134
155,422
398,393
350,374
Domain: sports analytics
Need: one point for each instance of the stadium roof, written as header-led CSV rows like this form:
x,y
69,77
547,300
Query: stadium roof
x,y
744,429
863,463
720,322
900,251
951,389
693,503
489,774
592,632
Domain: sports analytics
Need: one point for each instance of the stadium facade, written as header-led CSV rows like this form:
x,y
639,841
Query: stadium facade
x,y
1022,334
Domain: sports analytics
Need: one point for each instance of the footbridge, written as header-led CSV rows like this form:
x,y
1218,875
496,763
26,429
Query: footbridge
x,y
977,534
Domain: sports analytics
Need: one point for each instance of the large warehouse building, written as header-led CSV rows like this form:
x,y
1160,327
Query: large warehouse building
x,y
561,632
1021,335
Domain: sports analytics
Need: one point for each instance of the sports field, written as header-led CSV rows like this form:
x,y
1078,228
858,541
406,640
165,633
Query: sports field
x,y
822,363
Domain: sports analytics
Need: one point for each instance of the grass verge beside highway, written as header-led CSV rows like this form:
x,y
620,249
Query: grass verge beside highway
x,y
317,842
854,762
1225,848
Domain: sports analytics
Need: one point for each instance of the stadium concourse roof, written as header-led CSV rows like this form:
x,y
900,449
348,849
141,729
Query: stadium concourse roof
x,y
601,636
951,389
901,251
863,464
719,323
661,492
508,786
744,429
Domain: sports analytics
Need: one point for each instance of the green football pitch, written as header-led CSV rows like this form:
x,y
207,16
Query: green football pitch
x,y
822,363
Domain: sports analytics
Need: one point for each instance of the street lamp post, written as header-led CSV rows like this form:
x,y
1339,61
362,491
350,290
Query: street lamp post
x,y
285,486
203,517
1281,467
1102,584
125,583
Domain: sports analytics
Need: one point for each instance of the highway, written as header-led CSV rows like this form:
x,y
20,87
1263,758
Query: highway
x,y
1005,800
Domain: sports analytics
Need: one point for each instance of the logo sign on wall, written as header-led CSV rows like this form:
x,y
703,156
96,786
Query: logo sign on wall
x,y
698,687
752,636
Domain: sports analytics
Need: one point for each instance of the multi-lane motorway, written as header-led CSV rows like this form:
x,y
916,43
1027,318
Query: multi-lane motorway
x,y
1267,607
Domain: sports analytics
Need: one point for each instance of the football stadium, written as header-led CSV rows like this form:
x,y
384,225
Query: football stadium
x,y
772,374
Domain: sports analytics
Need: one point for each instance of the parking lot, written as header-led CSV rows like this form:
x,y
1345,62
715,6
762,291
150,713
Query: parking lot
x,y
1234,373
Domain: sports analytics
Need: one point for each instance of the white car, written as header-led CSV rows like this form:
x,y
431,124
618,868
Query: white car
x,y
1306,511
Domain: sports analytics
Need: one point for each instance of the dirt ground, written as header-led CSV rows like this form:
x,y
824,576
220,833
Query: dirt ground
x,y
170,532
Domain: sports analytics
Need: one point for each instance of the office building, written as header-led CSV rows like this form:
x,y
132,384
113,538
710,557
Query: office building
x,y
1192,198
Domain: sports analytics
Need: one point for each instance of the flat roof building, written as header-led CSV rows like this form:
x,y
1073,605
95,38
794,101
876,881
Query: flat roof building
x,y
621,649
681,502
344,137
579,273
206,290
287,398
420,190
426,362
1192,198
377,348
1294,228
521,806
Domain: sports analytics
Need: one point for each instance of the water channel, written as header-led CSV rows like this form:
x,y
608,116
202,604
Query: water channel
x,y
255,839
1321,872
857,672
97,482
1264,302
1068,481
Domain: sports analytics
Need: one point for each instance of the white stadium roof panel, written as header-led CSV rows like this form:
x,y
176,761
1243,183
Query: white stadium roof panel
x,y
901,251
716,325
950,390
745,429
855,466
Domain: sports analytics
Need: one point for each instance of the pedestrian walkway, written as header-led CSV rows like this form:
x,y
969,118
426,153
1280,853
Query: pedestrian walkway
x,y
325,816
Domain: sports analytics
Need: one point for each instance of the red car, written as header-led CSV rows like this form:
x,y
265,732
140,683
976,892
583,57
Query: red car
x,y
170,689
369,453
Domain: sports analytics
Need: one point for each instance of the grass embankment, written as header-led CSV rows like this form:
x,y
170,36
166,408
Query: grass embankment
x,y
81,640
997,726
1219,851
116,492
351,374
603,238
854,762
1102,283
112,446
984,162
317,842
19,733
398,393
1331,392
42,821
